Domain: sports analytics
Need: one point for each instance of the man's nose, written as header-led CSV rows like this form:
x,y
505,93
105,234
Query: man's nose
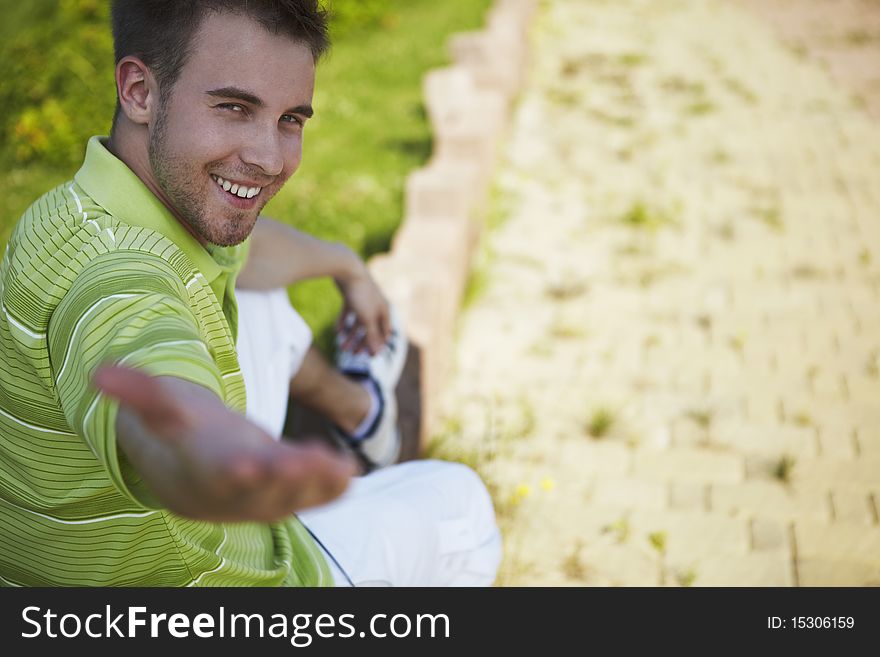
x,y
264,149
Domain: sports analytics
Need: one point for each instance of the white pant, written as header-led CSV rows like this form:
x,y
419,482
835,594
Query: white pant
x,y
421,523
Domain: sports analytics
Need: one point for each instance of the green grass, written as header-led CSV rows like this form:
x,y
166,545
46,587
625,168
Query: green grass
x,y
872,366
783,468
566,289
369,131
632,59
641,216
573,566
701,417
802,419
479,276
739,89
600,422
771,216
619,529
564,329
658,541
686,577
700,108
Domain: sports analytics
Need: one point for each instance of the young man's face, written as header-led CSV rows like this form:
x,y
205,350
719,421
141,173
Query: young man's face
x,y
230,134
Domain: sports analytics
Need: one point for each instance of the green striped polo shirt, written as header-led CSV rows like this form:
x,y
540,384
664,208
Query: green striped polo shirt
x,y
98,270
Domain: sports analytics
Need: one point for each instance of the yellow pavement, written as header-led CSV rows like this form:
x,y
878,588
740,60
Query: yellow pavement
x,y
670,373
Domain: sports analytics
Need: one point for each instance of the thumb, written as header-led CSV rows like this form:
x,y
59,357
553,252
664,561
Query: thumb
x,y
143,394
385,323
375,339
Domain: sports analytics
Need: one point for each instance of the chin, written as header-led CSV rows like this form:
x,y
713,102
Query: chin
x,y
229,237
226,239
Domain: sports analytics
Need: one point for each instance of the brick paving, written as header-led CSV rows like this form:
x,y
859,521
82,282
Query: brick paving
x,y
670,371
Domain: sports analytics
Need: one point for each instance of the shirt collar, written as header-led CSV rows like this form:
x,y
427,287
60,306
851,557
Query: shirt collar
x,y
117,189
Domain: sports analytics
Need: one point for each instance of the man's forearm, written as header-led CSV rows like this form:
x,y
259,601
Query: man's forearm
x,y
281,255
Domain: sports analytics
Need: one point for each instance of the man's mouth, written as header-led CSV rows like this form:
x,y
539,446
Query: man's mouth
x,y
237,189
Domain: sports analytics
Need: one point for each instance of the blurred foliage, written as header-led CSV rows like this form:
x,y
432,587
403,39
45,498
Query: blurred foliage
x,y
58,82
348,16
61,63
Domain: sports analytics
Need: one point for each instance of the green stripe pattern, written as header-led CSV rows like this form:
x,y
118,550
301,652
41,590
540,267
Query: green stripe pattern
x,y
80,287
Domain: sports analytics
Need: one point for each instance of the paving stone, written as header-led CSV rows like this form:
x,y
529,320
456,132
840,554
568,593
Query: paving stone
x,y
688,433
731,343
837,541
839,572
691,535
853,504
770,534
770,500
863,387
629,493
688,465
868,440
830,471
688,497
756,569
620,565
837,444
765,438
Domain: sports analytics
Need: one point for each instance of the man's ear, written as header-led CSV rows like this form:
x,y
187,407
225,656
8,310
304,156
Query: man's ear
x,y
137,90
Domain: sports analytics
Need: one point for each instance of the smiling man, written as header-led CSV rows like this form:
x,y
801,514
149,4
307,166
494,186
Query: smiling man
x,y
146,471
228,134
214,140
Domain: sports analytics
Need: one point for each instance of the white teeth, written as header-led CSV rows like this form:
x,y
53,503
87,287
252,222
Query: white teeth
x,y
242,191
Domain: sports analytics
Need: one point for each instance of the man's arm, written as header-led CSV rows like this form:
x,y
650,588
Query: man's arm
x,y
203,461
281,255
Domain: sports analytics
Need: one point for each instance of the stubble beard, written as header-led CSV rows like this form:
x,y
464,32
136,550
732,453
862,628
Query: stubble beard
x,y
183,183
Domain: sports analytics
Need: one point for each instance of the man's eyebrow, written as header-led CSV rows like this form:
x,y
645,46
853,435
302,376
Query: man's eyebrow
x,y
240,94
256,101
305,110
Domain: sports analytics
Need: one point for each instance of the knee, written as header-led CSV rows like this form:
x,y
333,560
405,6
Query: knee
x,y
468,487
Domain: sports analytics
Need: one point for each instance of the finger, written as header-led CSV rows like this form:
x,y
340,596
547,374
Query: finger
x,y
347,323
359,339
379,333
385,323
311,474
238,477
348,341
141,393
355,339
374,337
342,320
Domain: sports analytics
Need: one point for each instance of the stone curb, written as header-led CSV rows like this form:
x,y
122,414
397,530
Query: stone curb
x,y
426,271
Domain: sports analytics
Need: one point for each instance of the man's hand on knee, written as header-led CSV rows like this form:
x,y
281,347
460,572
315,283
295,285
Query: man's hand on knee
x,y
365,321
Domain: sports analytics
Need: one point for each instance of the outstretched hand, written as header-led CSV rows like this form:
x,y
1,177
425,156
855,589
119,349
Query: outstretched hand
x,y
207,462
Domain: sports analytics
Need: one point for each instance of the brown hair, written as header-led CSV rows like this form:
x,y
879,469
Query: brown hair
x,y
161,32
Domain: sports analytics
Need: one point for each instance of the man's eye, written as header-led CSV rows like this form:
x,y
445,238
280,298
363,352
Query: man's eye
x,y
290,118
234,107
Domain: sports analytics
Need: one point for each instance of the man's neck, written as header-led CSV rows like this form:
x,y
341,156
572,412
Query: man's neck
x,y
132,150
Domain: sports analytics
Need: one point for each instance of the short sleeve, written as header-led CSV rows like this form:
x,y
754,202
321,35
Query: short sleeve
x,y
128,309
